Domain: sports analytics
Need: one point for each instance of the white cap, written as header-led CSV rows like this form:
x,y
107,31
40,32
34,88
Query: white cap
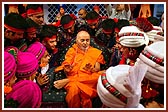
x,y
155,34
131,36
120,86
153,57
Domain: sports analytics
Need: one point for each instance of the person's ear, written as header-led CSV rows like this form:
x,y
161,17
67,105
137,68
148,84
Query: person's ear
x,y
8,33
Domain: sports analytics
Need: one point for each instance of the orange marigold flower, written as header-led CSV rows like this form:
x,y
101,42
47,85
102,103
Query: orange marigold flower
x,y
7,89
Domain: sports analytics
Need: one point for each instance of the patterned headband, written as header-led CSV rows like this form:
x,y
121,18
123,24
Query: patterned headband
x,y
10,73
153,58
41,50
112,89
27,74
131,34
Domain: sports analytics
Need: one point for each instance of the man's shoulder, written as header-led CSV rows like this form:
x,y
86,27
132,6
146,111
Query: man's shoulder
x,y
94,49
72,48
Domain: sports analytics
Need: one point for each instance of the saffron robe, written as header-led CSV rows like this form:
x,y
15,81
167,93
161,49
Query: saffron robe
x,y
81,87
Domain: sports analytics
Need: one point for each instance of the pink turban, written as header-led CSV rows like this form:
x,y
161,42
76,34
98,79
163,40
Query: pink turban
x,y
38,49
27,65
9,66
26,93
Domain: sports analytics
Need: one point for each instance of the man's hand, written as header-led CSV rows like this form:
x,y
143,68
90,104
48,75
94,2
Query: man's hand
x,y
42,79
88,67
60,83
67,68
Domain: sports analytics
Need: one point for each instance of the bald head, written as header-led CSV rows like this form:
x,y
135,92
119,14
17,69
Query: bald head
x,y
83,40
82,34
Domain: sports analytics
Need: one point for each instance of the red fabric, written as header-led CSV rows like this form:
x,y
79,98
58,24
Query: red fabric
x,y
104,17
13,29
115,20
32,11
66,26
24,15
48,38
31,29
96,7
57,24
90,21
123,60
73,16
144,24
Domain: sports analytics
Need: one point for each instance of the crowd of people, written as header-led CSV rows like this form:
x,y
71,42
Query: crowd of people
x,y
83,61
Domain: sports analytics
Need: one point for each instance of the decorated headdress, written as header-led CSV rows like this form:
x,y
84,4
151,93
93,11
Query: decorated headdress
x,y
12,50
26,94
9,66
153,57
120,86
38,49
27,64
156,34
153,83
131,36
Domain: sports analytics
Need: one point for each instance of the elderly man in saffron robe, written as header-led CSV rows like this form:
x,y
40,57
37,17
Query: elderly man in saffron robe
x,y
82,67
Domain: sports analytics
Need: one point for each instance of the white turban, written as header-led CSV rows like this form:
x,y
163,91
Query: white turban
x,y
120,86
